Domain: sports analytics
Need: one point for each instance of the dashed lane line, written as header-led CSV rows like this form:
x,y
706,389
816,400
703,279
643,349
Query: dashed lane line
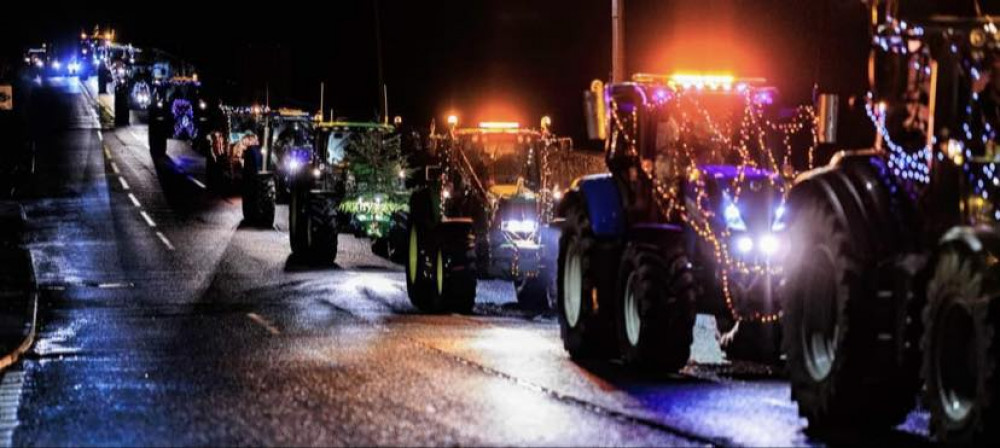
x,y
165,240
149,220
123,182
114,168
264,323
135,201
197,182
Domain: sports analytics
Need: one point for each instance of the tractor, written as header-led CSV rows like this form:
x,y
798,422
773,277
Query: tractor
x,y
179,110
893,280
689,218
287,137
484,211
339,182
243,130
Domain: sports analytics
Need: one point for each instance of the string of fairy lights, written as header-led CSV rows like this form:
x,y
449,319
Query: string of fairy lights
x,y
915,163
754,153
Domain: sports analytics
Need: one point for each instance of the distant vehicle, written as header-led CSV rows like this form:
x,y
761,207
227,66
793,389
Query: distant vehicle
x,y
178,110
483,212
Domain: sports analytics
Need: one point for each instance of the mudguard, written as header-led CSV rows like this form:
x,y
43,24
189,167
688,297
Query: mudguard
x,y
865,199
604,204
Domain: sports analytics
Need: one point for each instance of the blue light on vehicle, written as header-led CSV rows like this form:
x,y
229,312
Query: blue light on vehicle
x,y
297,158
734,219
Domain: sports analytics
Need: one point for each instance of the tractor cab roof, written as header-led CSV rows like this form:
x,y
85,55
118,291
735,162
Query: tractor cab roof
x,y
356,126
498,128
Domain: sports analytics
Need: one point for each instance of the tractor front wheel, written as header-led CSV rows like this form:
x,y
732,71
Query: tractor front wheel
x,y
962,342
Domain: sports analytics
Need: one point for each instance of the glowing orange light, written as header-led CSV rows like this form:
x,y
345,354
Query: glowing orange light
x,y
701,81
499,125
453,120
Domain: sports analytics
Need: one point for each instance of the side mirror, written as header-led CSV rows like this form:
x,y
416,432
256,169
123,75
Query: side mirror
x,y
827,106
595,109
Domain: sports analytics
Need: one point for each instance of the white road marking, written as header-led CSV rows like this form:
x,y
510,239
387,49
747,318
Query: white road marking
x,y
147,218
123,182
100,136
135,201
114,285
107,153
12,389
197,182
165,241
114,167
264,323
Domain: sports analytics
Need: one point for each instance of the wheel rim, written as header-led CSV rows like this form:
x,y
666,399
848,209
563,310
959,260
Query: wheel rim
x,y
572,287
955,360
633,321
412,256
819,323
440,272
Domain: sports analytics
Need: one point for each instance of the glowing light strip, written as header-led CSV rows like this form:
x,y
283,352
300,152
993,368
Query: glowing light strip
x,y
499,125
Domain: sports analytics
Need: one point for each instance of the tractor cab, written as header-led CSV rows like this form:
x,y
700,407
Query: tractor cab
x,y
504,157
709,164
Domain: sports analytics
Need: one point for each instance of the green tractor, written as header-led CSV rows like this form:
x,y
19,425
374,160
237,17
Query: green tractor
x,y
345,178
484,211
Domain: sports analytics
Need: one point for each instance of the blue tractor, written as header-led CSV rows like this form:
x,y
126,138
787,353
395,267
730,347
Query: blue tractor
x,y
688,219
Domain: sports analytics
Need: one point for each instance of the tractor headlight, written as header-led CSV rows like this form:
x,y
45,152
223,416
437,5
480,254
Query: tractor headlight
x,y
39,63
294,165
734,219
744,244
519,226
56,65
769,245
202,104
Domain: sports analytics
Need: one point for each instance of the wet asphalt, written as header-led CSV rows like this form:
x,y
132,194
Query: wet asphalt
x,y
165,321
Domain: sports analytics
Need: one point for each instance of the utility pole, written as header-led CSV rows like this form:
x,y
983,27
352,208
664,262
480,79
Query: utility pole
x,y
382,89
618,40
321,92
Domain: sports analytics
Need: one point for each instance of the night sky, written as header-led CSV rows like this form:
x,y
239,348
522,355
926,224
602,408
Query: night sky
x,y
485,59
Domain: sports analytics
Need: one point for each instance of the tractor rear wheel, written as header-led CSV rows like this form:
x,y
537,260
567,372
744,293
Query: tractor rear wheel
x,y
258,199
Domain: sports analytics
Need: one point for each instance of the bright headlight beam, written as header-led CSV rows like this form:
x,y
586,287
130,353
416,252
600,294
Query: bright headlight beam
x,y
769,245
519,226
744,244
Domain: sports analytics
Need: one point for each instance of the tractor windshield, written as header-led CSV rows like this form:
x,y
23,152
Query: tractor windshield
x,y
706,129
503,159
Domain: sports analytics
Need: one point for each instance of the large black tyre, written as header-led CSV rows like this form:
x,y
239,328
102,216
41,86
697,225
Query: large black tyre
x,y
420,251
316,235
532,292
298,223
843,341
122,110
455,266
962,340
581,284
656,308
215,175
258,199
157,139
